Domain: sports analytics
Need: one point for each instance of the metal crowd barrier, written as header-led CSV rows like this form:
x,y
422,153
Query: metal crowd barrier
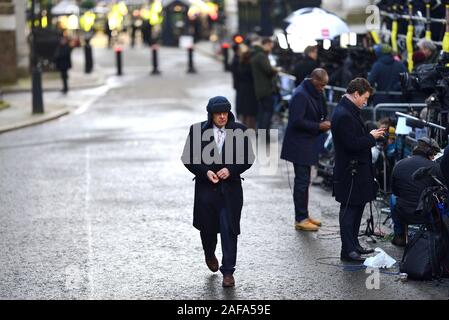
x,y
413,17
394,107
343,90
340,89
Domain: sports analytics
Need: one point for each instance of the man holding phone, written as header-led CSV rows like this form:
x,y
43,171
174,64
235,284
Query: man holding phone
x,y
354,183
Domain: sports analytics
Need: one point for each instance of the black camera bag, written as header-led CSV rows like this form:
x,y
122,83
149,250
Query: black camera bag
x,y
416,261
424,254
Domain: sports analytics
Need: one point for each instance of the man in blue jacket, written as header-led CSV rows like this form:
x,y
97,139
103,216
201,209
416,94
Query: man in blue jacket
x,y
307,119
385,74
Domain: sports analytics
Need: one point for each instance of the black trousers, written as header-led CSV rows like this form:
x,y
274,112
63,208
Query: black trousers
x,y
228,244
350,220
265,112
64,77
301,191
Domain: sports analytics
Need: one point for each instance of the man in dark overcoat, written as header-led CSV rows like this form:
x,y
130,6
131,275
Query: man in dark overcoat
x,y
63,61
353,180
217,152
263,75
306,120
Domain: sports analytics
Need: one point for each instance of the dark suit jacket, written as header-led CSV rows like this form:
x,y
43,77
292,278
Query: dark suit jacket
x,y
352,141
306,110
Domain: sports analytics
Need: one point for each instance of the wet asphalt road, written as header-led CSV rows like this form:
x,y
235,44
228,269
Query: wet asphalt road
x,y
97,205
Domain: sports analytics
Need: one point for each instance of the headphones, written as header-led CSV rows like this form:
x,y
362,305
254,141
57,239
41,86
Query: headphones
x,y
431,146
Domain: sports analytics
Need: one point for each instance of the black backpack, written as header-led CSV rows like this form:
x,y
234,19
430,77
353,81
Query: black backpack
x,y
424,255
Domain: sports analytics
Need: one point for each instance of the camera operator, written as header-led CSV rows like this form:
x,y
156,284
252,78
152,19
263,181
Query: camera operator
x,y
429,49
407,190
354,183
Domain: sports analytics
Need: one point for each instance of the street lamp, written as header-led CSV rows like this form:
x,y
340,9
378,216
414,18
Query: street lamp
x,y
36,84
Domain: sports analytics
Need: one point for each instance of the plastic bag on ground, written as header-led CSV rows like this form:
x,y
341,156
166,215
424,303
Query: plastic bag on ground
x,y
380,260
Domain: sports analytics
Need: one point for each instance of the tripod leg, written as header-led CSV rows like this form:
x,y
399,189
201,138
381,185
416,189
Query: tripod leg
x,y
369,231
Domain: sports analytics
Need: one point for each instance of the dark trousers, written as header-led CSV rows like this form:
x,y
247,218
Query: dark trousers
x,y
350,220
228,244
265,112
301,191
64,77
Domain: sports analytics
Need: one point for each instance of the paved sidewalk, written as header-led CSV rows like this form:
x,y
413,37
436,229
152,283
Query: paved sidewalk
x,y
19,115
51,81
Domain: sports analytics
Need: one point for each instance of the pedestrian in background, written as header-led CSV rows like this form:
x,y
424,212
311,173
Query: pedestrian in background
x,y
63,61
245,84
108,32
306,120
88,57
263,74
353,178
304,68
385,74
218,187
236,80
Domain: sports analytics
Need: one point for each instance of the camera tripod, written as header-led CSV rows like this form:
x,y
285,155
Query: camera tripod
x,y
369,231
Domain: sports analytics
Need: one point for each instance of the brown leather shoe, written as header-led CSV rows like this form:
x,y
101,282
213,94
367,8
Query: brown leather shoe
x,y
228,280
305,225
315,222
212,264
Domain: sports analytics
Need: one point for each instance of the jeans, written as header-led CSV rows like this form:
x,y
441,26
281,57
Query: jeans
x,y
228,244
301,191
398,226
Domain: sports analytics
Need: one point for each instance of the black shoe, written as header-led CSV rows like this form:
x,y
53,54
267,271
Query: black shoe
x,y
352,256
362,250
399,240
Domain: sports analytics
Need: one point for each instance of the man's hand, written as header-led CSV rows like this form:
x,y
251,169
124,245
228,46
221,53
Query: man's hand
x,y
377,133
212,176
325,125
223,173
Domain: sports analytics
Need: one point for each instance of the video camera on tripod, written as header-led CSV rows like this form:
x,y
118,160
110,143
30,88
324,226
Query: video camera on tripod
x,y
432,80
419,123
